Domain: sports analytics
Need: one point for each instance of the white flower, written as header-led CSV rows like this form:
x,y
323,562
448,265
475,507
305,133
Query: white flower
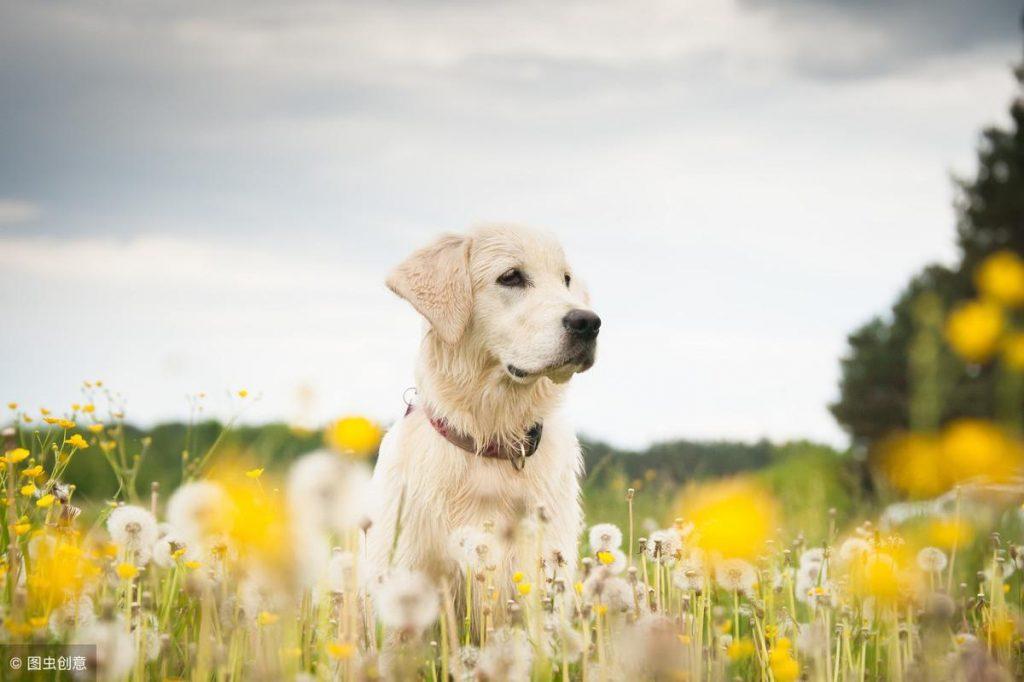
x,y
932,560
809,577
115,650
73,614
407,601
663,545
341,570
327,493
815,555
853,548
508,657
605,537
601,588
736,575
689,573
134,530
169,544
475,548
199,510
812,638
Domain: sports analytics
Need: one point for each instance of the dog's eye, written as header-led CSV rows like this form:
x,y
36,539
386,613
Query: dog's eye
x,y
512,278
568,280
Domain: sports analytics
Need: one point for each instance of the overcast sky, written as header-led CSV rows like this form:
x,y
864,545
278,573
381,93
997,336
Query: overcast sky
x,y
203,196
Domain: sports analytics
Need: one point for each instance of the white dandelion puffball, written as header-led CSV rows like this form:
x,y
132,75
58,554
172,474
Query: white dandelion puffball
x,y
601,588
166,549
341,571
326,492
815,555
72,615
664,545
689,574
407,601
508,656
853,549
115,650
605,537
736,575
932,560
478,549
134,530
199,509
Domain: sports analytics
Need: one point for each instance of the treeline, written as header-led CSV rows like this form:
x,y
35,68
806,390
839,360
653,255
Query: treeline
x,y
165,449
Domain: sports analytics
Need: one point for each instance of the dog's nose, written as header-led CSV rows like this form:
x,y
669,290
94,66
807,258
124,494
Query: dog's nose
x,y
583,324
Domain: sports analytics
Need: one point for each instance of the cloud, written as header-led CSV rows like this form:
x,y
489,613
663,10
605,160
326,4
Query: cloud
x,y
17,212
841,39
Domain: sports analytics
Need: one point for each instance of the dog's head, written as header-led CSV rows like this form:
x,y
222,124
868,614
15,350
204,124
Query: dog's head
x,y
506,292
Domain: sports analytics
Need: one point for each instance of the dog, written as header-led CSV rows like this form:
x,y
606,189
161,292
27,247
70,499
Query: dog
x,y
484,445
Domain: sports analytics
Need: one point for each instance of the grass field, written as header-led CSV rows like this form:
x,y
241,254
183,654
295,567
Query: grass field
x,y
241,564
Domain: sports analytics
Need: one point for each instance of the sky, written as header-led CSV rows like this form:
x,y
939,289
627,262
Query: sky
x,y
206,197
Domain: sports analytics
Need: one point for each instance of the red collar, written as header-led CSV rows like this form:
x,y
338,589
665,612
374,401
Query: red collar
x,y
516,455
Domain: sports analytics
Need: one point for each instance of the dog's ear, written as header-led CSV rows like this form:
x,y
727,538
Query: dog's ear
x,y
435,280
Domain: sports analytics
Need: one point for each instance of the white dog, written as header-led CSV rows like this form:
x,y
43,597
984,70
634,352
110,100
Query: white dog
x,y
508,326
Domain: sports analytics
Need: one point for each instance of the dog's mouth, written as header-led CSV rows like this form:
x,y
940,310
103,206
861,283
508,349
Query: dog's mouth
x,y
559,371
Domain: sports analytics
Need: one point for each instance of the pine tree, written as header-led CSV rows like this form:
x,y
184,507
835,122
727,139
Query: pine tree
x,y
875,385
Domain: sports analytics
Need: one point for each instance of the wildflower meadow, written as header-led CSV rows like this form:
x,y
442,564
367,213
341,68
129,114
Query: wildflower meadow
x,y
244,571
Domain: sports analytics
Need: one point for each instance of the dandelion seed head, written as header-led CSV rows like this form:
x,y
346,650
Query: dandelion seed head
x,y
605,537
134,529
932,560
736,575
199,510
406,601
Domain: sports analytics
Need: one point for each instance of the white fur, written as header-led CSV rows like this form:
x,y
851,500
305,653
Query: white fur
x,y
476,328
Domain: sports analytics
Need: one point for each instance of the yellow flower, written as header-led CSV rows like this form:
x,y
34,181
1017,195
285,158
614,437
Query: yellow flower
x,y
43,411
517,577
578,586
524,588
949,533
784,667
353,435
977,449
192,565
267,618
126,571
66,423
1013,351
733,517
877,576
340,651
33,472
1002,631
95,428
26,418
88,408
973,330
606,558
1001,278
740,649
38,622
243,393
254,473
912,463
12,406
76,441
16,455
45,501
29,489
22,526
